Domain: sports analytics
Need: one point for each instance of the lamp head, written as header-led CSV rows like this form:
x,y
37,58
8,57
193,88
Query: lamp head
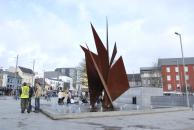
x,y
176,33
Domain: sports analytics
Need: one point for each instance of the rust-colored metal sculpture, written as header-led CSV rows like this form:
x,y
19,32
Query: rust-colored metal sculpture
x,y
104,76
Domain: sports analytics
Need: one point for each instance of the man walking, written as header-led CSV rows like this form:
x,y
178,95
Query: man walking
x,y
38,92
24,95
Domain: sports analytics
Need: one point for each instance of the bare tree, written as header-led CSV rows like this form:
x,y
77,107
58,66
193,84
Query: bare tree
x,y
82,74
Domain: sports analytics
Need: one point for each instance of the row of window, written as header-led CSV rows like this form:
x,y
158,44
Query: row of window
x,y
168,69
12,81
132,84
170,86
56,83
177,77
10,86
178,87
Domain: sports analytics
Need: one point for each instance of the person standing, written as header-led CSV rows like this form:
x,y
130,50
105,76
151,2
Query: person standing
x,y
69,98
30,97
60,97
17,94
24,95
38,92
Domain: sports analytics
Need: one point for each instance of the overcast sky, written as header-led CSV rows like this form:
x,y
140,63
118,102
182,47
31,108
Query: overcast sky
x,y
51,31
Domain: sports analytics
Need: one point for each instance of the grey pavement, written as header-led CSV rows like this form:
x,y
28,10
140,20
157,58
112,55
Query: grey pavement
x,y
12,119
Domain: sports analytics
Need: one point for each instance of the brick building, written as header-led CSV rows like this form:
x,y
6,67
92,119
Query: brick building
x,y
173,75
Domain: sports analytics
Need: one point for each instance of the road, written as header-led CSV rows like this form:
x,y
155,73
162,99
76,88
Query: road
x,y
12,119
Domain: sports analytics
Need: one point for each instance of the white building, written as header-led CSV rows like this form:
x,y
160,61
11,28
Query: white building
x,y
60,81
57,76
67,80
54,83
26,74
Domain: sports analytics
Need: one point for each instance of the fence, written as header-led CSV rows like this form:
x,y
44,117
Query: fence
x,y
171,100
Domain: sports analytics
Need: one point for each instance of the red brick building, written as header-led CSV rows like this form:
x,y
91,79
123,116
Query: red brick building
x,y
173,79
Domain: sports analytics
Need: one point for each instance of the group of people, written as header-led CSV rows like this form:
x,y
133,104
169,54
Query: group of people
x,y
26,92
71,99
64,95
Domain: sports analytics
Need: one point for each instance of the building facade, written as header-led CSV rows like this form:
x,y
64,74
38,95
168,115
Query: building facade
x,y
9,81
70,72
173,78
26,74
150,77
134,80
54,84
58,76
52,74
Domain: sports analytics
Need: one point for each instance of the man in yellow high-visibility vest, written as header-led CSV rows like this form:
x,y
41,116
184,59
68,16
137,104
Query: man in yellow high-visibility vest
x,y
24,95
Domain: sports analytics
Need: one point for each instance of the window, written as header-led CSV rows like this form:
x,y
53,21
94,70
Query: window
x,y
144,81
176,69
148,81
177,77
178,87
168,77
186,68
167,69
169,87
187,77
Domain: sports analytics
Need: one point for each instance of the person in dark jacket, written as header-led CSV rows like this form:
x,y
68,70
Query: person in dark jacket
x,y
30,98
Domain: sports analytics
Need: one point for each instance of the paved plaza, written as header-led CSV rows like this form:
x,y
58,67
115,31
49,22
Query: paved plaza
x,y
12,119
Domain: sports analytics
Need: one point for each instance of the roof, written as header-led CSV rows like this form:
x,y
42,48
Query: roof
x,y
26,70
149,68
175,61
54,79
65,68
135,77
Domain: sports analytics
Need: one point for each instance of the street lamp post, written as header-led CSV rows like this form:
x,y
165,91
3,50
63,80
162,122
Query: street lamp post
x,y
187,96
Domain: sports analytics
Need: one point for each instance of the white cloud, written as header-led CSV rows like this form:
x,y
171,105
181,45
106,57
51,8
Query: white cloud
x,y
51,33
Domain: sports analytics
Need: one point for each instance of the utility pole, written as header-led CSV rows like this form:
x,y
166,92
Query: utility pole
x,y
43,79
133,80
33,73
16,66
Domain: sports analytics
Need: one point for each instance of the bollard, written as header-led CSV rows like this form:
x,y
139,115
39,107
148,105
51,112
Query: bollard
x,y
193,107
